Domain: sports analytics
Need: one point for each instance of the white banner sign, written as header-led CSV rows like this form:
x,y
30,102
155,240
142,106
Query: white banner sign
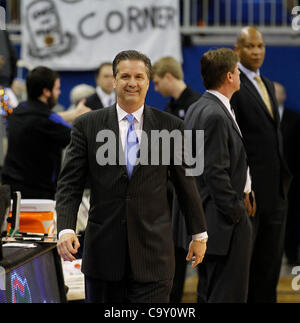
x,y
80,34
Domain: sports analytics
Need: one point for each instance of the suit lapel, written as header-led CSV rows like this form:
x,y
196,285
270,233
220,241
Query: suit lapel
x,y
213,97
251,88
113,124
98,101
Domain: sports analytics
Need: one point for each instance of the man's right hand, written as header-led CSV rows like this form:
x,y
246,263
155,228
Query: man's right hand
x,y
250,205
67,246
196,252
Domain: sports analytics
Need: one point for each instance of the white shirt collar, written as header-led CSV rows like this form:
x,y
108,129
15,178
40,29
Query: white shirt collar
x,y
227,104
281,110
222,98
250,74
137,114
105,98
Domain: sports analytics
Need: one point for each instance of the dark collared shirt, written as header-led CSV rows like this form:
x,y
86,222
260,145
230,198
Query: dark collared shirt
x,y
36,138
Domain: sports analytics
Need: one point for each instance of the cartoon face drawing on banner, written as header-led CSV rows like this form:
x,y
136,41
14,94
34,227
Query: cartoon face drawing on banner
x,y
47,37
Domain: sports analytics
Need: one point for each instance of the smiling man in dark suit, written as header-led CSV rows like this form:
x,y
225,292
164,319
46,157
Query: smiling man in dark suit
x,y
257,115
128,249
225,184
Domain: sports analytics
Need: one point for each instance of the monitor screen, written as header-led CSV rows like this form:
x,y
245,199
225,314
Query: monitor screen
x,y
36,281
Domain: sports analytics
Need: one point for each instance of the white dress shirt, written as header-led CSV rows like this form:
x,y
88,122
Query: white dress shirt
x,y
280,110
123,129
226,102
124,124
106,99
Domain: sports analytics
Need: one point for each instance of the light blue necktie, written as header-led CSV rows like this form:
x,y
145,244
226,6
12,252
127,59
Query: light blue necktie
x,y
110,102
132,145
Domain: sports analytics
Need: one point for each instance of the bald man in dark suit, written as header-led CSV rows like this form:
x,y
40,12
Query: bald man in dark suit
x,y
256,111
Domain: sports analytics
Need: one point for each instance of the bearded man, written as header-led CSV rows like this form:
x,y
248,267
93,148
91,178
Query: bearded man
x,y
37,136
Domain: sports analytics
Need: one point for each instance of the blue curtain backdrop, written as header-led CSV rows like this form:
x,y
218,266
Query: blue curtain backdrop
x,y
281,65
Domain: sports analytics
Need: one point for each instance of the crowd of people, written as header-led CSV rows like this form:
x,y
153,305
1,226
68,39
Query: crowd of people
x,y
233,221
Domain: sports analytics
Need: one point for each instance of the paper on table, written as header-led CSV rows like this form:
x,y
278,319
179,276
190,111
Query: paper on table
x,y
19,245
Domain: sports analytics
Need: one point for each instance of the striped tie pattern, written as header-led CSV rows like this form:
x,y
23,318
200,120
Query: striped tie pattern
x,y
264,94
132,145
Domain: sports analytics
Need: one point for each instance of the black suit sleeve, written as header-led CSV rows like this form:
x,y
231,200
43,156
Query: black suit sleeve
x,y
216,169
55,129
94,102
187,193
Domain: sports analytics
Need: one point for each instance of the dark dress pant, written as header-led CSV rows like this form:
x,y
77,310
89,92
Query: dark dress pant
x,y
268,246
127,290
224,279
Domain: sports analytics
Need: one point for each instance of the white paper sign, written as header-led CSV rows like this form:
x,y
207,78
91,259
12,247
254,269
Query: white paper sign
x,y
81,34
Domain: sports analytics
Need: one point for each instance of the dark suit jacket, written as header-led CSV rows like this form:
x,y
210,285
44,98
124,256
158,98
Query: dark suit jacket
x,y
263,142
223,180
94,102
123,212
290,126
